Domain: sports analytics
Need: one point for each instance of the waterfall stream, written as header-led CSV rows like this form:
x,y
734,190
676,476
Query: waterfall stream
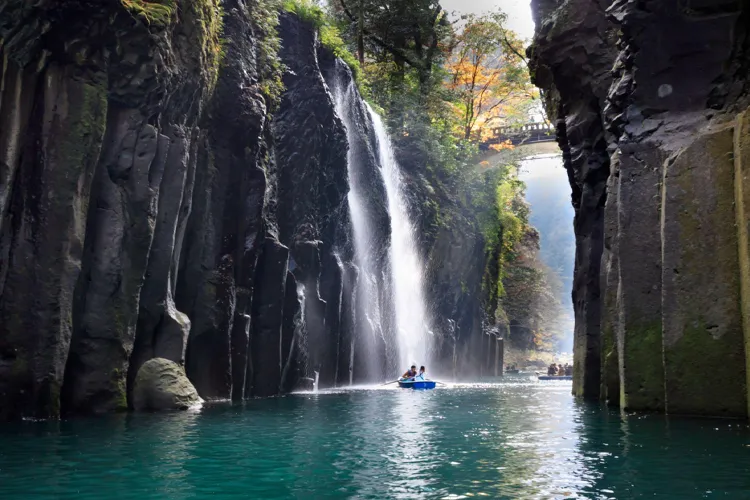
x,y
390,290
368,313
412,324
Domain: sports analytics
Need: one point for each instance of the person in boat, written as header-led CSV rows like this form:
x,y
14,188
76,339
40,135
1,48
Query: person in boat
x,y
552,370
410,373
568,370
421,375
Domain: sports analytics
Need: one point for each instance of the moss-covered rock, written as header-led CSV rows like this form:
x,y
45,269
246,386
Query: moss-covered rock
x,y
742,206
43,259
639,258
704,351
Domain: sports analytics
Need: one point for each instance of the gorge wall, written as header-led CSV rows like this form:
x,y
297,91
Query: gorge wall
x,y
162,197
152,208
651,104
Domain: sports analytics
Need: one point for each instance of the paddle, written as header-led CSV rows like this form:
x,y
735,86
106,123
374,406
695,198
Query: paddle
x,y
389,383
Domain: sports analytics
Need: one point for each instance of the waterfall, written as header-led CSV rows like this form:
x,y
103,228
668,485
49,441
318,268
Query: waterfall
x,y
412,324
389,294
367,296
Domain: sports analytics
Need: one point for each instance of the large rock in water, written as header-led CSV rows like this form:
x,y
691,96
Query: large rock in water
x,y
161,384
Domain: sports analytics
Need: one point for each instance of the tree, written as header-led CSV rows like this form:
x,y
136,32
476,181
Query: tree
x,y
409,32
488,73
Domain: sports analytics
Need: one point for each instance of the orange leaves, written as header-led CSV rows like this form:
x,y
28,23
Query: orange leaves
x,y
487,75
502,146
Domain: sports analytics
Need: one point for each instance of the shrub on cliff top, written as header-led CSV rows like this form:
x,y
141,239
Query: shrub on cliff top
x,y
266,21
205,21
328,33
157,12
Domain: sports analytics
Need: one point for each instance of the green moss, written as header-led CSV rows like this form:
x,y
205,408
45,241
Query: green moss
x,y
157,12
643,368
700,374
79,144
204,19
610,389
266,21
118,384
742,205
54,398
207,17
328,33
704,361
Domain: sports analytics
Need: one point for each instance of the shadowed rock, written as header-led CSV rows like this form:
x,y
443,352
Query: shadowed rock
x,y
651,109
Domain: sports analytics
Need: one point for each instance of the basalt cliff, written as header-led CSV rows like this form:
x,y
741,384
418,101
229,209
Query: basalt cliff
x,y
650,99
173,184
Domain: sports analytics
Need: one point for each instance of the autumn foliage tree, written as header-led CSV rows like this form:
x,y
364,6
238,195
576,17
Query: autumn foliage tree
x,y
487,73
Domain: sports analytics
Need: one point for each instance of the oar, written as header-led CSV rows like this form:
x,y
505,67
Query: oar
x,y
389,383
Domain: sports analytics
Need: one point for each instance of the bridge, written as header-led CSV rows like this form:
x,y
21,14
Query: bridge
x,y
531,133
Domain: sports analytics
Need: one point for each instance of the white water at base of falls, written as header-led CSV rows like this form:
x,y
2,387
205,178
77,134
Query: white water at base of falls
x,y
412,323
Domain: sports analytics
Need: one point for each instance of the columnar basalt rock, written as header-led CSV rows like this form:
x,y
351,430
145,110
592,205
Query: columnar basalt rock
x,y
700,284
139,188
571,58
49,161
311,161
742,205
666,97
610,286
268,303
639,307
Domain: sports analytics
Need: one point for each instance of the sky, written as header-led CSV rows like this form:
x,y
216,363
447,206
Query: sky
x,y
519,12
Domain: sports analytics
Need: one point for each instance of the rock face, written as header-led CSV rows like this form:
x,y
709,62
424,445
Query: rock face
x,y
161,384
648,98
152,206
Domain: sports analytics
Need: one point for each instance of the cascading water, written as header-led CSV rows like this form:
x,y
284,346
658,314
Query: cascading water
x,y
368,310
389,293
412,322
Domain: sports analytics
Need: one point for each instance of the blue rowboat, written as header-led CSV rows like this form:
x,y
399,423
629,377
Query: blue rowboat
x,y
555,377
417,384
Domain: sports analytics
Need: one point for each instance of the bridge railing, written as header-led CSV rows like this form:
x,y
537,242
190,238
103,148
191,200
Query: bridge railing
x,y
527,133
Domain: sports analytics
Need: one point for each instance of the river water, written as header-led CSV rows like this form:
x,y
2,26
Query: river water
x,y
515,439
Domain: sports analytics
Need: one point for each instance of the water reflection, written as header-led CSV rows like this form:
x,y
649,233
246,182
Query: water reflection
x,y
518,439
411,454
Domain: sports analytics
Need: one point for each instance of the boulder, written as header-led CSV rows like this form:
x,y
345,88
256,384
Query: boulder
x,y
161,384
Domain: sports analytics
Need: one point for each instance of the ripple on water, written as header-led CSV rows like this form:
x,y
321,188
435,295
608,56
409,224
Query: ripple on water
x,y
514,440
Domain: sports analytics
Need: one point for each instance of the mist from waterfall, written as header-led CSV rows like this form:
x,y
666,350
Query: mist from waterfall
x,y
548,193
412,324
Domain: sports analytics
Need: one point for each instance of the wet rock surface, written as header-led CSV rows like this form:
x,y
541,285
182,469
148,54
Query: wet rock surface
x,y
648,133
149,208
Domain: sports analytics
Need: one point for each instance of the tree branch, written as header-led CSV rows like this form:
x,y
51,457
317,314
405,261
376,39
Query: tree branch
x,y
511,48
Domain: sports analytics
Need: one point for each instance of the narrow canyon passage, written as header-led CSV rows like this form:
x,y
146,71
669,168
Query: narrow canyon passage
x,y
374,248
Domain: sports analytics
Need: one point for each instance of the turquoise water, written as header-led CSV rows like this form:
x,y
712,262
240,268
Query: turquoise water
x,y
517,439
